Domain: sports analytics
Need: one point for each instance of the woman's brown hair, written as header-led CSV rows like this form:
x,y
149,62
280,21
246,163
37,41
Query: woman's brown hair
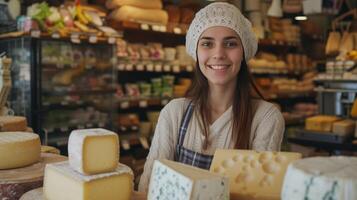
x,y
243,106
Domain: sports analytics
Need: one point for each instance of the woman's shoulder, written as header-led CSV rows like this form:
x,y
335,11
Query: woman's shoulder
x,y
177,105
263,107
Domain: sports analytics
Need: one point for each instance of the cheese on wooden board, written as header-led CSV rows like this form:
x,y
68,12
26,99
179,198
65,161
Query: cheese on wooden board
x,y
173,180
320,123
344,127
321,178
93,151
19,149
62,182
253,175
13,123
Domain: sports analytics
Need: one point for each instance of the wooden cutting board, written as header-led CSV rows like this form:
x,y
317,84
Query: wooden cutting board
x,y
15,182
37,194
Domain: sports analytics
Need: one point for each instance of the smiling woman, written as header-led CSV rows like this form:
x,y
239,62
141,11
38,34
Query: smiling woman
x,y
223,109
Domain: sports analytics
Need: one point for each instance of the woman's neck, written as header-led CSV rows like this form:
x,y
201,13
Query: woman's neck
x,y
220,98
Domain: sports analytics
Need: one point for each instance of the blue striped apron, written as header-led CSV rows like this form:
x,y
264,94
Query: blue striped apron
x,y
188,156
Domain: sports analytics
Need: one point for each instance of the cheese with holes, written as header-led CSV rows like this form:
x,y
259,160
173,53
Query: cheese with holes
x,y
19,149
321,178
93,151
13,123
62,182
173,180
253,175
320,123
344,127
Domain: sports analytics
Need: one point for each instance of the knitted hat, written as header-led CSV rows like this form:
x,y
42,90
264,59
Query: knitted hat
x,y
221,14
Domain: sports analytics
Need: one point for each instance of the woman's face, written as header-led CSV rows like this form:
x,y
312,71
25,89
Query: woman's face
x,y
220,53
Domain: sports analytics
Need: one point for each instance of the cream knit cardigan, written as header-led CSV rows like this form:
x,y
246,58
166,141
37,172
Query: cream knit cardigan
x,y
266,133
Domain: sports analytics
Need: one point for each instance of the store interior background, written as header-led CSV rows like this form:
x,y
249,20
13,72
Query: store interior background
x,y
64,80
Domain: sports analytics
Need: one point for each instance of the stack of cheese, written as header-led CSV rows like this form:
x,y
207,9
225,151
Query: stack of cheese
x,y
333,124
321,178
92,172
173,180
13,123
253,175
150,12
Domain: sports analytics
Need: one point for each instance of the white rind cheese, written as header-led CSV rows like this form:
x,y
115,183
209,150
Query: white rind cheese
x,y
321,178
177,181
19,149
253,175
93,151
62,182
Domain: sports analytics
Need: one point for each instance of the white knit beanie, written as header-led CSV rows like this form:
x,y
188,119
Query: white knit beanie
x,y
221,14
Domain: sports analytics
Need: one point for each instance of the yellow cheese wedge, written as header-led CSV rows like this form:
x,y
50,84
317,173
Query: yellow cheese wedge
x,y
93,151
320,123
253,175
61,182
19,149
344,127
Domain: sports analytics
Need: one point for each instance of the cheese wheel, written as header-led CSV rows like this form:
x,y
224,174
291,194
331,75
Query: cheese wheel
x,y
140,15
152,4
13,123
19,149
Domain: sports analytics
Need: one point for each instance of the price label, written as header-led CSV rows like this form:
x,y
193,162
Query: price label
x,y
140,67
158,68
164,101
111,40
64,129
121,67
144,142
167,68
143,104
35,33
129,67
189,68
177,30
150,67
125,144
155,28
75,38
124,104
55,35
144,27
93,39
176,69
163,29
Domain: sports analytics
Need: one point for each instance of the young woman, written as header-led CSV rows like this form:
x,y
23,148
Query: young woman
x,y
223,108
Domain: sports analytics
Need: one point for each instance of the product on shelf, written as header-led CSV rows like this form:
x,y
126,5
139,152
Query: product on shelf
x,y
321,178
93,151
173,180
344,127
13,123
320,123
153,4
19,149
354,109
62,182
136,14
252,174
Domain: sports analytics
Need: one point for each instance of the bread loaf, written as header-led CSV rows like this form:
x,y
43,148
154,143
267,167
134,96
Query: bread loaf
x,y
152,4
135,14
